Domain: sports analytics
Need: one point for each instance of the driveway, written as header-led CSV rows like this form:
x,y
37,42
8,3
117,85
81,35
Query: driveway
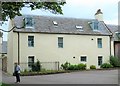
x,y
82,77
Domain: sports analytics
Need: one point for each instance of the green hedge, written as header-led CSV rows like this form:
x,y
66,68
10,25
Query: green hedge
x,y
68,66
106,65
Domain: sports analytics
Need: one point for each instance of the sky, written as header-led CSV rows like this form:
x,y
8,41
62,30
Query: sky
x,y
84,9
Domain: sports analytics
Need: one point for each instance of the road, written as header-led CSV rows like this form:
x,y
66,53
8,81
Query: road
x,y
82,77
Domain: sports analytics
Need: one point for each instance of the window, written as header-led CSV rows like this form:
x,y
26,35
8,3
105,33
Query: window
x,y
99,60
29,22
30,61
60,42
79,27
55,23
99,42
83,58
30,41
95,25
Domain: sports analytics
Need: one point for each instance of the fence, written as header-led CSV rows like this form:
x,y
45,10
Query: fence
x,y
44,65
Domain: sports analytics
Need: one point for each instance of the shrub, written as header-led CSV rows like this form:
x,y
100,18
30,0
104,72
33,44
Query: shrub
x,y
115,61
71,67
68,66
25,70
106,65
76,67
81,66
36,67
92,67
65,66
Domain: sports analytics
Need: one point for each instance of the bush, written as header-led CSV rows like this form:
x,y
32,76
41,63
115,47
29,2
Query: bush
x,y
65,66
25,70
92,67
106,65
77,67
36,67
115,61
71,67
68,66
81,66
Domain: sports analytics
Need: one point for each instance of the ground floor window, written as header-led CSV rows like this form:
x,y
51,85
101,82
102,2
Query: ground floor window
x,y
83,58
30,61
100,58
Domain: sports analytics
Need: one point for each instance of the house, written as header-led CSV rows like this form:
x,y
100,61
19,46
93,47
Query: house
x,y
58,39
115,42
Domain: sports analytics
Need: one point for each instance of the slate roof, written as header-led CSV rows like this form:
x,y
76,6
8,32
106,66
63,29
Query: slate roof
x,y
113,28
44,24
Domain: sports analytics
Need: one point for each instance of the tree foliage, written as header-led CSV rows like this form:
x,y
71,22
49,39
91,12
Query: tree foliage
x,y
11,9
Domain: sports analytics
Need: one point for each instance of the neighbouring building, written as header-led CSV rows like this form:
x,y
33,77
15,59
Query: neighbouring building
x,y
58,39
115,42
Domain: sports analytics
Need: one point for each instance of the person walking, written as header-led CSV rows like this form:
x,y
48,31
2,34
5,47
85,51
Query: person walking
x,y
17,72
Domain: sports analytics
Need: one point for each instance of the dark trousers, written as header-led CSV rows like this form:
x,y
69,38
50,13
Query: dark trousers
x,y
17,77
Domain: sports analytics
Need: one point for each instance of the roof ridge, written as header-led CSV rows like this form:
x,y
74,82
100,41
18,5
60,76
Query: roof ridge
x,y
58,17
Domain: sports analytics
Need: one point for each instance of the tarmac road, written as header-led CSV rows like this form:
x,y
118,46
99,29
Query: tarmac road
x,y
82,77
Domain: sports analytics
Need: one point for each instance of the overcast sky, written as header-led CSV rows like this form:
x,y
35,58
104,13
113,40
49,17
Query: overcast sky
x,y
83,9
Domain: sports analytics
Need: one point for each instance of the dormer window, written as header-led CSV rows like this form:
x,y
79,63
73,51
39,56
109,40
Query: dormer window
x,y
29,22
79,27
94,25
55,23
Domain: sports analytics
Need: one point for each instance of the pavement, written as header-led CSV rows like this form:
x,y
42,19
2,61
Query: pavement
x,y
81,77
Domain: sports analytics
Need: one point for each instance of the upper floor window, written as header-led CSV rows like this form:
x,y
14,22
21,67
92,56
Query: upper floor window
x,y
60,42
29,23
99,42
30,41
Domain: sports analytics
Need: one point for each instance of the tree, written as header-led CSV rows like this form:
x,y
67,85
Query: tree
x,y
11,9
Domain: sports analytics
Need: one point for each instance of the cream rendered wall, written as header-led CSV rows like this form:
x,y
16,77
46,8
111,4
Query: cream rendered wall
x,y
10,46
46,48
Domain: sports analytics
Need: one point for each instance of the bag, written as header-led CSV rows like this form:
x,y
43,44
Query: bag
x,y
14,74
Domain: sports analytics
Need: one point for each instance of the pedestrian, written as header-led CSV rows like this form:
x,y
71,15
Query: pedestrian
x,y
17,72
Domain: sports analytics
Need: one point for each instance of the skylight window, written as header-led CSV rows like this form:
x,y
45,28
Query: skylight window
x,y
55,23
79,27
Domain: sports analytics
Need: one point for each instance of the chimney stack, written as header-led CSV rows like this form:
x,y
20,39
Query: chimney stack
x,y
99,15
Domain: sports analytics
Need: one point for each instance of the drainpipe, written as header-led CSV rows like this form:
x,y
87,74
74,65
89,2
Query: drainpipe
x,y
110,44
18,48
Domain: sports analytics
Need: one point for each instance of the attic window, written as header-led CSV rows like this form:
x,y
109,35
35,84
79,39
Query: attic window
x,y
79,27
94,25
29,23
55,23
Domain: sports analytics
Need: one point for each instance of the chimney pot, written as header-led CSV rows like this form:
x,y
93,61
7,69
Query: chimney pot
x,y
99,15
